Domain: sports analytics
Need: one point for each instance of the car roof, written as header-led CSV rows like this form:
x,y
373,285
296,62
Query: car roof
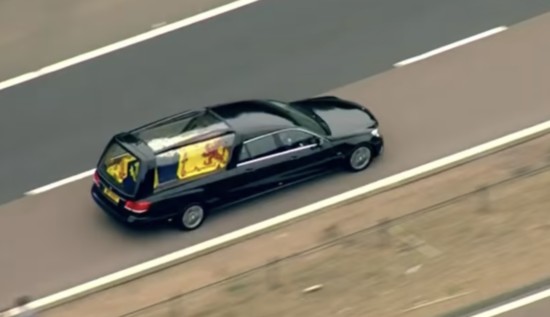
x,y
253,118
248,119
173,131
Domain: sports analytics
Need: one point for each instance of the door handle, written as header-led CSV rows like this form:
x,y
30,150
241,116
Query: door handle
x,y
295,157
250,169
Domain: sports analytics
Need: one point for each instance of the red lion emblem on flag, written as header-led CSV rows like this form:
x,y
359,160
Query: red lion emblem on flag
x,y
216,152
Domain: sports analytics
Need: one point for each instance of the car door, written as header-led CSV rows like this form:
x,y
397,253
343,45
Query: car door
x,y
263,164
310,154
251,174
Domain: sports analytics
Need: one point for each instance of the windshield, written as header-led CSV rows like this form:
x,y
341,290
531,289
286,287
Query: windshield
x,y
306,120
121,167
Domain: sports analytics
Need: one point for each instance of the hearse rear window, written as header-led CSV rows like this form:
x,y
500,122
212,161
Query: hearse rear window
x,y
193,160
122,167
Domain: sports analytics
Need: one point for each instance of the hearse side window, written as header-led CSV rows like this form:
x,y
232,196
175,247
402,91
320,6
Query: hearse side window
x,y
293,139
194,160
261,147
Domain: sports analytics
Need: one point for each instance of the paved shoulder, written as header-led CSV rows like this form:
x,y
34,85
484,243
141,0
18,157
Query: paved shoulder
x,y
34,34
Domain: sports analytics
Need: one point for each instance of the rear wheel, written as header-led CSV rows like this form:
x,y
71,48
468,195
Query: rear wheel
x,y
359,158
191,217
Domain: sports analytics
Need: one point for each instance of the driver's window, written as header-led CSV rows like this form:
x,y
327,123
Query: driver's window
x,y
259,148
292,139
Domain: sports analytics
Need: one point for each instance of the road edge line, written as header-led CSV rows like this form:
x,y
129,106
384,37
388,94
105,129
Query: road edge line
x,y
60,183
505,302
451,46
234,237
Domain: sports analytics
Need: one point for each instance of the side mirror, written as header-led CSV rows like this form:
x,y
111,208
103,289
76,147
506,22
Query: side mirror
x,y
318,142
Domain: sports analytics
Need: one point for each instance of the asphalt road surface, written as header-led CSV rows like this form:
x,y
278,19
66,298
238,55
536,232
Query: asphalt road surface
x,y
57,124
35,34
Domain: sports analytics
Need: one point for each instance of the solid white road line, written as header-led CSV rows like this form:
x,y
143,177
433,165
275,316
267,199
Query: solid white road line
x,y
515,304
127,42
60,182
451,46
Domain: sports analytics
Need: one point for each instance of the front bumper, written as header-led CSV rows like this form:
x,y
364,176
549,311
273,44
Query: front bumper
x,y
378,143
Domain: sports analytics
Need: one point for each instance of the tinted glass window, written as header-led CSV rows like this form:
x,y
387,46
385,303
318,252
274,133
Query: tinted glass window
x,y
292,139
244,155
261,147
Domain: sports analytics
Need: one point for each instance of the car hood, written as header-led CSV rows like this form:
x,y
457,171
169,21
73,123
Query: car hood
x,y
342,118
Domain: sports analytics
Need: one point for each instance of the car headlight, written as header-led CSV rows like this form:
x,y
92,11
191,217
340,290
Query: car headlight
x,y
375,132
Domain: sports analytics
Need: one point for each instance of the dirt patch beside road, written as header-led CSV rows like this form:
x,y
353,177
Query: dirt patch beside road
x,y
460,244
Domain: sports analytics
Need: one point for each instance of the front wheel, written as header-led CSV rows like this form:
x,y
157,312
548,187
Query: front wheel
x,y
359,158
191,217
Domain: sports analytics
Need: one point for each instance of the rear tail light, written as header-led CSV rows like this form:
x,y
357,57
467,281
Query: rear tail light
x,y
96,178
138,207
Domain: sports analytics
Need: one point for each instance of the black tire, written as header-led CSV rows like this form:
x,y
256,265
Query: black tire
x,y
359,158
191,217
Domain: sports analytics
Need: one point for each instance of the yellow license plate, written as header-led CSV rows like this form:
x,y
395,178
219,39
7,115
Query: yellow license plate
x,y
109,193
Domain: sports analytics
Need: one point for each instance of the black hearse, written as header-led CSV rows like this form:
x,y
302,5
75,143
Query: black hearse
x,y
181,166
